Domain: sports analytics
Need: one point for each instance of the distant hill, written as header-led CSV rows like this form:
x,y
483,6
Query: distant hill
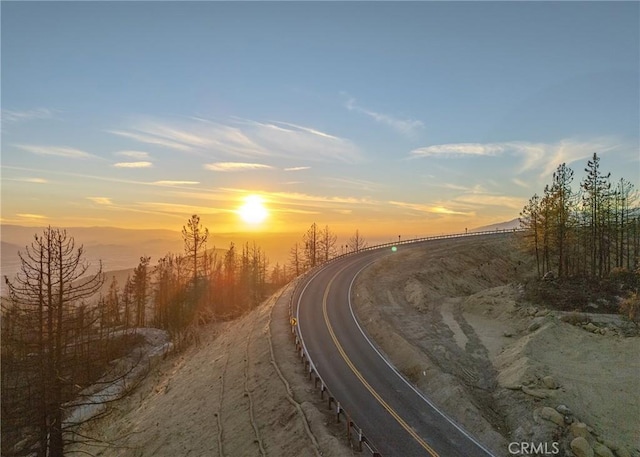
x,y
509,225
121,249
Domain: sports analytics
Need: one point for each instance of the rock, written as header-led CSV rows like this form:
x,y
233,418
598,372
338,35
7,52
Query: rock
x,y
622,452
535,324
581,447
579,430
507,334
552,415
542,313
590,327
534,393
548,276
549,382
601,450
564,409
610,444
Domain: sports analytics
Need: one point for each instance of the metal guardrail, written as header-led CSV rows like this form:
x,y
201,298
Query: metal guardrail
x,y
353,431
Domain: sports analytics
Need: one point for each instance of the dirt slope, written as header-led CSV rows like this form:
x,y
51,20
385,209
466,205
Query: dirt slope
x,y
452,318
240,391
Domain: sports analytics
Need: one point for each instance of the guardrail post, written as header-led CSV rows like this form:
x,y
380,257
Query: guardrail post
x,y
360,440
322,389
338,411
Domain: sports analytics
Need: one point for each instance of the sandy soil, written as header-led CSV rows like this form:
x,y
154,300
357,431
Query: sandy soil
x,y
451,317
240,391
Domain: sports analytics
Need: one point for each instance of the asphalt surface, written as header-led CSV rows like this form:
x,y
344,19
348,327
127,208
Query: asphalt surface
x,y
394,417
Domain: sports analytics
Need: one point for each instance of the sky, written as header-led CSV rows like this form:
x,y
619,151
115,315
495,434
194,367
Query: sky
x,y
388,118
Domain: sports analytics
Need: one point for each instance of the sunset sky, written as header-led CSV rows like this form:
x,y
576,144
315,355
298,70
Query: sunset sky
x,y
391,118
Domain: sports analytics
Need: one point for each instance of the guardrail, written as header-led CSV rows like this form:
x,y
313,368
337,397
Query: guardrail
x,y
352,430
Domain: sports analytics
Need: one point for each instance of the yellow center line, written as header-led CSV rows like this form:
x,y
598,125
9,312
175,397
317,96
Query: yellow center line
x,y
384,404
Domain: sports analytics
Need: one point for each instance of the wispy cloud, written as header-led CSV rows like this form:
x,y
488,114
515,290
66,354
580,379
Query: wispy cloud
x,y
431,209
177,208
535,156
504,201
404,126
59,151
133,165
31,216
29,180
147,138
139,155
296,168
101,200
462,149
26,115
175,183
236,166
242,138
351,183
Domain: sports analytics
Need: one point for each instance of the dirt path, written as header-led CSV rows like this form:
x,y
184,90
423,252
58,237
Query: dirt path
x,y
241,391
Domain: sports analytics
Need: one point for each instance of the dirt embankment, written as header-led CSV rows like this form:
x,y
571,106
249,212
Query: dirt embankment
x,y
451,316
240,391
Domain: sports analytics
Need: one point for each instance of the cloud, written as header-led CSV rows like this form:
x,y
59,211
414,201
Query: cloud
x,y
133,165
140,155
151,139
534,156
243,138
491,200
431,209
176,208
351,183
236,166
101,200
461,149
404,126
296,168
175,183
30,180
26,115
58,151
31,216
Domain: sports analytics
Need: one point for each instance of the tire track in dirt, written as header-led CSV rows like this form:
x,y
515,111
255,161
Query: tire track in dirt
x,y
290,398
247,392
219,413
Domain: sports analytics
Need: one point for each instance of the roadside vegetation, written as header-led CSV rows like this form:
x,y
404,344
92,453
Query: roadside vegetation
x,y
64,334
585,241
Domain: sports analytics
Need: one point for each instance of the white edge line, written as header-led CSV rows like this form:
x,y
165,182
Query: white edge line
x,y
420,394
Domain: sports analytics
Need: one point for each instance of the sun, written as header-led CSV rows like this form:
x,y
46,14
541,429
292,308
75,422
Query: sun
x,y
253,211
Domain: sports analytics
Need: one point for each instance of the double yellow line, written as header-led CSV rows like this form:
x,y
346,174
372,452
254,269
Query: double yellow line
x,y
364,382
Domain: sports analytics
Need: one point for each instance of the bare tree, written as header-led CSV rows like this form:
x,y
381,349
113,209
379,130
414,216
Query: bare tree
x,y
53,280
295,258
195,243
356,242
141,288
311,246
327,244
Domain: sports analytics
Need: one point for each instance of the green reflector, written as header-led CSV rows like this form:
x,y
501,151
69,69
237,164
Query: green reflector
x,y
394,249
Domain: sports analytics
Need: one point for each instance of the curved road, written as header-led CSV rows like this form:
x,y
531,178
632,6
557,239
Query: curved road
x,y
394,416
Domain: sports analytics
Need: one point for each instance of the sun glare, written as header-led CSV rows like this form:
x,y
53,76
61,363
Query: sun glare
x,y
253,211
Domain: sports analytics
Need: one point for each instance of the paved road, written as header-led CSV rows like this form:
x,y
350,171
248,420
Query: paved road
x,y
394,417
